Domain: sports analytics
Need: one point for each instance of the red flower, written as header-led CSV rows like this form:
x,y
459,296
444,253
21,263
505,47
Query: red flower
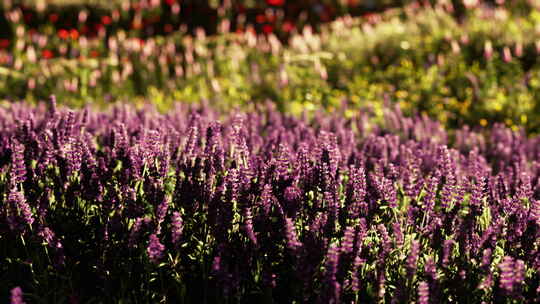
x,y
53,18
4,43
47,54
94,53
74,34
260,18
106,20
287,26
271,18
63,34
267,28
275,2
170,2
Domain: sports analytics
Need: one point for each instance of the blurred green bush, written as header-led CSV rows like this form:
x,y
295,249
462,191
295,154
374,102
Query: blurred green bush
x,y
477,71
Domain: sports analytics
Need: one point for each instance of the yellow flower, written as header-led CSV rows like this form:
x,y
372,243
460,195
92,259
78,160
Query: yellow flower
x,y
483,122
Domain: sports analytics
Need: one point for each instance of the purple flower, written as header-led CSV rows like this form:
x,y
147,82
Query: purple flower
x,y
248,226
412,259
17,296
193,137
398,234
386,245
423,293
486,258
357,185
431,192
266,200
519,273
150,146
136,231
448,246
524,190
155,249
72,151
19,212
290,234
333,211
355,284
162,208
18,167
430,268
177,227
507,274
448,169
331,266
348,240
291,194
534,214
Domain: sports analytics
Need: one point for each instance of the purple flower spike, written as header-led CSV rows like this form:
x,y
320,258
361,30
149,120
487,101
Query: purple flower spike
x,y
17,296
332,261
412,259
248,226
177,227
18,168
535,211
290,234
507,274
423,293
348,240
447,252
155,249
20,213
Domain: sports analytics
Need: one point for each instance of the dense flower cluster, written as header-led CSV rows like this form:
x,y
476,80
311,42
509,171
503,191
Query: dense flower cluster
x,y
140,205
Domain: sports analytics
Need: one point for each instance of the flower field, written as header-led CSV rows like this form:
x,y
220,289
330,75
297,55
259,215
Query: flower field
x,y
178,207
389,158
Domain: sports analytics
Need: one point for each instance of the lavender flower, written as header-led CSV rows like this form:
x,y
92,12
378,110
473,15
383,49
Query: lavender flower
x,y
18,167
136,230
398,234
447,251
412,259
155,249
507,274
19,212
355,283
519,273
423,293
322,215
357,185
177,227
430,268
248,226
162,208
331,266
17,296
290,234
348,240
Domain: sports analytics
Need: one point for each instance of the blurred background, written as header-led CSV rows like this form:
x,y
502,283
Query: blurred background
x,y
458,61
